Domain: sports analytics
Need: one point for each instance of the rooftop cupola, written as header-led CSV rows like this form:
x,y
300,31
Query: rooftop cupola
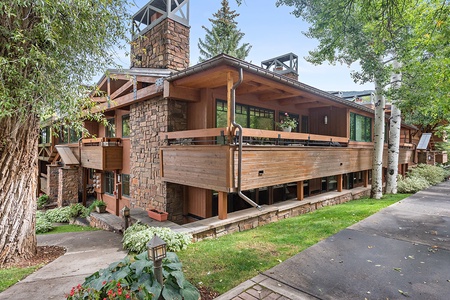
x,y
286,65
160,35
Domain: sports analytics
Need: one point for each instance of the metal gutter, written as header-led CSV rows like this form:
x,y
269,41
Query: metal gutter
x,y
239,128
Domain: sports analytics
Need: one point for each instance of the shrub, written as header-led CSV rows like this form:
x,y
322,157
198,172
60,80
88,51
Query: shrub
x,y
96,203
411,185
136,237
58,215
136,279
42,224
78,210
42,201
432,174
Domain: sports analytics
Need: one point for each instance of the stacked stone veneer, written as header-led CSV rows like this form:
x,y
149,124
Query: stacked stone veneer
x,y
252,218
149,120
165,46
67,186
52,182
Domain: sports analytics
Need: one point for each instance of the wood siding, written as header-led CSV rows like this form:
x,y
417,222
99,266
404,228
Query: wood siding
x,y
102,157
210,167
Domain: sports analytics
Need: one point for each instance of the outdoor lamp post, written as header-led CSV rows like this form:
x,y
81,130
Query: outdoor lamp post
x,y
126,215
156,249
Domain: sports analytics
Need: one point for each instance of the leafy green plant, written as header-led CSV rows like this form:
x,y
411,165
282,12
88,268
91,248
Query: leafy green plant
x,y
42,224
432,174
42,201
78,210
96,203
135,277
136,237
58,215
411,185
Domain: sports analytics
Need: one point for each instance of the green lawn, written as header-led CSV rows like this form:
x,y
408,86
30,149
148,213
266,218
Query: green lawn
x,y
70,228
223,263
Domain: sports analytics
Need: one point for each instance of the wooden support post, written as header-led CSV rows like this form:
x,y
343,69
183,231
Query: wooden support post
x,y
229,87
300,191
270,191
223,205
339,182
366,178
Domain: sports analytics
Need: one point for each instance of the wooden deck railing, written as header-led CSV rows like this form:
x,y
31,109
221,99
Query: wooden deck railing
x,y
101,141
253,136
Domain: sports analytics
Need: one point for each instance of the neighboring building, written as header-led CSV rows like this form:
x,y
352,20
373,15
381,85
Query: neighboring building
x,y
173,146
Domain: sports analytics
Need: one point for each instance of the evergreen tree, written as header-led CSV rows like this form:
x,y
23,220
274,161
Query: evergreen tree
x,y
224,36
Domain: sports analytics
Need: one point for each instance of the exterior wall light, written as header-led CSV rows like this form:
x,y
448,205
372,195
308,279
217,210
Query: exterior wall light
x,y
156,249
325,120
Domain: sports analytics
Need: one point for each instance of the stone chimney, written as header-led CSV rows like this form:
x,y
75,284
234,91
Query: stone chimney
x,y
286,65
161,35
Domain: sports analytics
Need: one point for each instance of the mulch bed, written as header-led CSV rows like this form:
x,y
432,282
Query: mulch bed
x,y
44,255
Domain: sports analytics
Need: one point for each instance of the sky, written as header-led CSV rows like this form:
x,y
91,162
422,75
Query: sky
x,y
272,31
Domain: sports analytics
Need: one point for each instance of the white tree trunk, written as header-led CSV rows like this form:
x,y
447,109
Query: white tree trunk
x,y
377,163
18,175
393,150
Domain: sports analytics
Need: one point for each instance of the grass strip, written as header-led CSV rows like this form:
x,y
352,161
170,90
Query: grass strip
x,y
223,263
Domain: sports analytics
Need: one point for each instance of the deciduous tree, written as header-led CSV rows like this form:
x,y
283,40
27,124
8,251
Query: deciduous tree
x,y
47,50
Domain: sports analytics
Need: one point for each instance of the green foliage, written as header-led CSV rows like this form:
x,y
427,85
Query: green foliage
x,y
136,237
135,277
78,210
42,224
432,174
224,36
411,184
42,201
59,215
96,203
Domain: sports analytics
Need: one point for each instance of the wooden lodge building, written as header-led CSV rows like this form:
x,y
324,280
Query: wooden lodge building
x,y
203,141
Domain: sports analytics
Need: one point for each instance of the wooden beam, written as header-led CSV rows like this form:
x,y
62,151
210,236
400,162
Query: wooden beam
x,y
229,87
122,89
223,205
270,192
181,93
291,100
276,94
300,190
339,182
366,178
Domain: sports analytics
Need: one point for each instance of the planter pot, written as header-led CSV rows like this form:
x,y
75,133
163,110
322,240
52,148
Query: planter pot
x,y
100,209
287,129
158,215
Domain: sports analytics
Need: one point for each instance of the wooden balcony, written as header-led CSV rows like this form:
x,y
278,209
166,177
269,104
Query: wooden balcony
x,y
286,157
102,154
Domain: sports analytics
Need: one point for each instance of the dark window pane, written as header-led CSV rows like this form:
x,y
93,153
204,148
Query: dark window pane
x,y
125,126
125,184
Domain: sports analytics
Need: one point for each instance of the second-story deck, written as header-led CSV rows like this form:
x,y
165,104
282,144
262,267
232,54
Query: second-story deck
x,y
102,153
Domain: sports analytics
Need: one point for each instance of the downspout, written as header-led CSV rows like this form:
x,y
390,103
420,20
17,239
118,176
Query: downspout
x,y
239,128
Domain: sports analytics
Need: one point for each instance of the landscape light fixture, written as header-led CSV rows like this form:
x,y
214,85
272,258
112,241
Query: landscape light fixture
x,y
156,249
126,215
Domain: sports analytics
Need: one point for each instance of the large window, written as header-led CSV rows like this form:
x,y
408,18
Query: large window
x,y
126,126
304,128
247,116
110,128
109,182
45,135
360,128
126,185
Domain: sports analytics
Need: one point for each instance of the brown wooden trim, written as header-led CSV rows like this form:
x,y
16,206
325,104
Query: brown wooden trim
x,y
339,182
270,192
195,133
181,93
229,87
223,205
300,190
142,94
292,135
120,90
366,178
161,164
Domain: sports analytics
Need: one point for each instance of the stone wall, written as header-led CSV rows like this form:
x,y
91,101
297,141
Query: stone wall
x,y
148,121
67,186
165,46
52,182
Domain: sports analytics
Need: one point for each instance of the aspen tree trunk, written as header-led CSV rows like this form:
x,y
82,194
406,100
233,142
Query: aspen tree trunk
x,y
393,150
394,136
18,175
377,162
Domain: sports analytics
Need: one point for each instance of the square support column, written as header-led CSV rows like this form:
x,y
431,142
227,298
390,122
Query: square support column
x,y
223,205
339,182
300,190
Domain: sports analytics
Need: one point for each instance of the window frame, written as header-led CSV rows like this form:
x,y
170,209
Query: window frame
x,y
367,124
125,183
109,182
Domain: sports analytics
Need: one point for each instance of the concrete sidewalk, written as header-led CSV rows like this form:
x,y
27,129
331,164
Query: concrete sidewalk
x,y
87,252
400,252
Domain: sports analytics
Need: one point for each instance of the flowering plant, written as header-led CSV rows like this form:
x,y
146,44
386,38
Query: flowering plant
x,y
287,122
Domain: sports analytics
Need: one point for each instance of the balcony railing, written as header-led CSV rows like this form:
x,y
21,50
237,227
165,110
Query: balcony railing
x,y
102,153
